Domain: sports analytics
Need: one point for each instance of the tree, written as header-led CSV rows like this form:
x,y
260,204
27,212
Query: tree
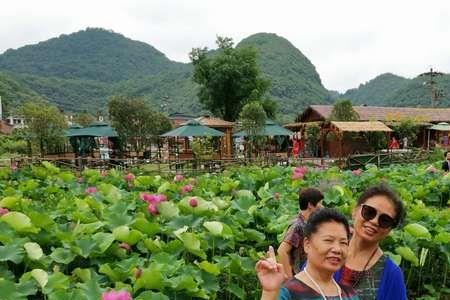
x,y
84,119
406,128
343,111
135,122
253,118
312,134
270,107
45,125
228,79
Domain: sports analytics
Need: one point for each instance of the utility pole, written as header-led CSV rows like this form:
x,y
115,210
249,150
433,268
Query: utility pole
x,y
436,93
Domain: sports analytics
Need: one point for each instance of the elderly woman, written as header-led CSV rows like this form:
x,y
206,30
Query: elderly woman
x,y
326,246
367,269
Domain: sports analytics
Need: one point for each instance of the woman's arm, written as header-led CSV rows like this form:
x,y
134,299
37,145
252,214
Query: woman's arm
x,y
283,253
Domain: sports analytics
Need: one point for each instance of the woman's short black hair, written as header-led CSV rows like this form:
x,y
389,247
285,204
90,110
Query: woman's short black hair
x,y
384,190
324,215
309,195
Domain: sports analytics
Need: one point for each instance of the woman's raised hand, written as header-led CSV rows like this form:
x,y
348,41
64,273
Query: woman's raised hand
x,y
270,273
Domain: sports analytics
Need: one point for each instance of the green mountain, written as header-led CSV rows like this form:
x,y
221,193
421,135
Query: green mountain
x,y
13,92
392,90
80,71
295,81
93,54
377,91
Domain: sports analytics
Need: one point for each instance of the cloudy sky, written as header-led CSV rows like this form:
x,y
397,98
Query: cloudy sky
x,y
349,41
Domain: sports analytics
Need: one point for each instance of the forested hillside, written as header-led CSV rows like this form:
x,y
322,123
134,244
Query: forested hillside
x,y
377,91
94,54
392,90
13,92
80,71
295,81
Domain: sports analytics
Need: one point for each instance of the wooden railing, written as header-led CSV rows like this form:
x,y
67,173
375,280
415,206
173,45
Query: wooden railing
x,y
386,158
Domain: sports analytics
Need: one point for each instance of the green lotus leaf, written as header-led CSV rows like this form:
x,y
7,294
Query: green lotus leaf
x,y
113,275
245,194
13,252
397,259
408,255
66,177
134,237
442,237
214,227
84,247
144,226
121,233
34,251
9,201
183,282
11,290
147,295
168,210
163,187
209,267
62,255
192,243
83,274
254,235
417,231
236,290
56,281
110,192
155,246
143,181
104,240
51,168
91,290
40,276
19,221
151,278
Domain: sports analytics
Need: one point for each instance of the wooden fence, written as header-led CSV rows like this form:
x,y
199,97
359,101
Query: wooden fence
x,y
381,159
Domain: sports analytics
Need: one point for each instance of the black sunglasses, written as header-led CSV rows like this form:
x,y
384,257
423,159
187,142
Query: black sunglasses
x,y
384,221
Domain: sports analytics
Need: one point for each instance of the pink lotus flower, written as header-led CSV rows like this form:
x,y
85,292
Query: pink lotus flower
x,y
125,246
193,202
297,175
153,198
357,172
178,178
114,295
301,170
13,167
187,188
276,195
91,190
149,198
152,209
129,177
104,173
3,211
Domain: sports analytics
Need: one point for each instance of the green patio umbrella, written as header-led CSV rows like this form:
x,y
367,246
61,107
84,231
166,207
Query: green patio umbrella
x,y
94,129
441,127
270,129
193,128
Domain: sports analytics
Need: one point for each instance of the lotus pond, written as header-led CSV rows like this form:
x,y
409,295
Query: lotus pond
x,y
64,236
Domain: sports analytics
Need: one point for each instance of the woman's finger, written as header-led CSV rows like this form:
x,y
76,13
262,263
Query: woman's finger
x,y
271,255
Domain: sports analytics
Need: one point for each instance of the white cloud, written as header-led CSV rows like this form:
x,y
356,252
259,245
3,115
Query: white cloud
x,y
348,41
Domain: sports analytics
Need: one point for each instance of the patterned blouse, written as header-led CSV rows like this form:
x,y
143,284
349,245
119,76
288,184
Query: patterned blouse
x,y
294,237
366,282
295,289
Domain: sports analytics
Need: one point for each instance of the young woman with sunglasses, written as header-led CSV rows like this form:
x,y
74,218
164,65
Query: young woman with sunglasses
x,y
367,269
326,244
